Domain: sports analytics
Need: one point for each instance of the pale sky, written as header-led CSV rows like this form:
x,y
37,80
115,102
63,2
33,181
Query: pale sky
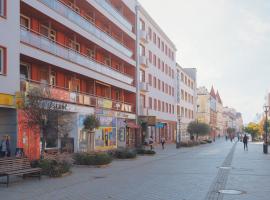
x,y
228,41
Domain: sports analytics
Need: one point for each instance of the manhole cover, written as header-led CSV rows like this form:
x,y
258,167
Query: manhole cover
x,y
225,167
233,192
98,177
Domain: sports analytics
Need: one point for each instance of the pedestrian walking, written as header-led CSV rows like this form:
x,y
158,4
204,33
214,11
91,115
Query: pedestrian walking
x,y
151,142
4,147
245,141
163,142
226,137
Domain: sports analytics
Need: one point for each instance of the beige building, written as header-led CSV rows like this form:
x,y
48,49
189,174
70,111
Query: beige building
x,y
203,102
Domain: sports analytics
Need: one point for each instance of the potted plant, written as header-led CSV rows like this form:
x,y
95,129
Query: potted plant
x,y
91,122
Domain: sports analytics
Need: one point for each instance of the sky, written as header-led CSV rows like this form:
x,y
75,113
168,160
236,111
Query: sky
x,y
228,41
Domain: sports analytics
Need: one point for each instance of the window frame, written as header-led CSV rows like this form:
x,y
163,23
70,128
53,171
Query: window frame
x,y
3,10
3,60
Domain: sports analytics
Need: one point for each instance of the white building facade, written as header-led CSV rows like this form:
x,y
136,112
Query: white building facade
x,y
157,73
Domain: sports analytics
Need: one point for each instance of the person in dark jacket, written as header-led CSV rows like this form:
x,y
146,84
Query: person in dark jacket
x,y
245,141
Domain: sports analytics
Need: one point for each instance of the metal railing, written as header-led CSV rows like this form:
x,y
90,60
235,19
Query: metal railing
x,y
113,11
65,95
76,18
51,46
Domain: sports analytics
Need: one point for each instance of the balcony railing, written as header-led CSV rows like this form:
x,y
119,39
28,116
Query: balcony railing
x,y
113,11
45,44
76,18
84,99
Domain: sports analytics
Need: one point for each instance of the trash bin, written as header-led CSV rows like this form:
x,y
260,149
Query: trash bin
x,y
265,148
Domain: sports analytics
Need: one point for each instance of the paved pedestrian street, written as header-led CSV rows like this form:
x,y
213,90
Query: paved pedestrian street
x,y
172,174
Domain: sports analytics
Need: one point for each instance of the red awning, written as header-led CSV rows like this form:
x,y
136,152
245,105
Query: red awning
x,y
132,125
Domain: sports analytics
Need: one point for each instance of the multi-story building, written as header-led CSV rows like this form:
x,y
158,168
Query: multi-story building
x,y
84,52
156,69
203,102
232,119
219,107
208,109
213,113
186,100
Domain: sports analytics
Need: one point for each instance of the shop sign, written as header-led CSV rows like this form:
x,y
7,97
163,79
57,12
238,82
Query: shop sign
x,y
150,120
160,125
6,100
104,103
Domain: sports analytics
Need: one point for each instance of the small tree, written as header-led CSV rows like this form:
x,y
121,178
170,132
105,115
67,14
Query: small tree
x,y
91,122
43,113
253,129
198,128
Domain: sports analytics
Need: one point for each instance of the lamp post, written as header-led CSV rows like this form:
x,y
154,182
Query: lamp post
x,y
265,144
178,140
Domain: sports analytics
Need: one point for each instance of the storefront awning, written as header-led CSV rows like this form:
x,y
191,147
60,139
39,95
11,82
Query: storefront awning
x,y
132,125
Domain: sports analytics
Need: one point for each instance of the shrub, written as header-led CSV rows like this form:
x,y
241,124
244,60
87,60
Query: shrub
x,y
54,167
125,153
92,159
143,151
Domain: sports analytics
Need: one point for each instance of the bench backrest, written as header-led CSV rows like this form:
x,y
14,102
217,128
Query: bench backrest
x,y
13,164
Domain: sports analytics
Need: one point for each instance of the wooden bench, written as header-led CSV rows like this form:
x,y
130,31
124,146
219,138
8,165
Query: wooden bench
x,y
17,167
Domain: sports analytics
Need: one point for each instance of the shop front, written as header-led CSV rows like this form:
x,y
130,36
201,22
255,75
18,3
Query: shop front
x,y
8,121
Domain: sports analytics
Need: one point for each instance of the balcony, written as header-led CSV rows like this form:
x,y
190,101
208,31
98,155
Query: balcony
x,y
143,36
144,87
143,61
84,99
38,41
115,13
85,24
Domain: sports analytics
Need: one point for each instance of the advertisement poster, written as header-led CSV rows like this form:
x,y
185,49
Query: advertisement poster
x,y
105,138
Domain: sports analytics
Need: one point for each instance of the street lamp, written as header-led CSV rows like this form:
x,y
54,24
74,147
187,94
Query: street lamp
x,y
265,144
178,139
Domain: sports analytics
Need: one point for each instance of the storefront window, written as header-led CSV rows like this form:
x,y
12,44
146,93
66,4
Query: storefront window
x,y
1,60
3,8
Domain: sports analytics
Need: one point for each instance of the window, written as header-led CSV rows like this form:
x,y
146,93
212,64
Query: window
x,y
117,94
24,21
163,106
150,102
155,38
24,71
107,60
155,104
49,33
158,63
53,78
150,79
155,82
182,112
155,60
162,46
163,87
158,42
162,66
158,84
159,105
150,33
172,91
150,56
142,97
2,60
3,8
142,50
182,77
182,94
172,109
142,76
91,53
142,25
74,45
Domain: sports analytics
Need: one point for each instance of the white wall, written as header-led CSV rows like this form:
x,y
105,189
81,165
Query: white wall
x,y
10,39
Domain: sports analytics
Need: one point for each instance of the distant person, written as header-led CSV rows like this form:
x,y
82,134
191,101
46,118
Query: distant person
x,y
245,141
226,137
163,142
5,147
151,142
